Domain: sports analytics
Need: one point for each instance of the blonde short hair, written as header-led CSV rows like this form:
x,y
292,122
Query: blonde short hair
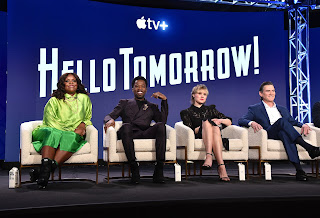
x,y
196,90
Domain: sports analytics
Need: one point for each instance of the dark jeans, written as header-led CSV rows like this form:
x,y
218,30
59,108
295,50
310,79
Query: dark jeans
x,y
157,131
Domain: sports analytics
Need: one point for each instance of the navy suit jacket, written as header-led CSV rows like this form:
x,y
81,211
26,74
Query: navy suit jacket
x,y
141,118
259,114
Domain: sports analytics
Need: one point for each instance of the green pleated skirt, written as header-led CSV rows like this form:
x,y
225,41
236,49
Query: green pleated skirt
x,y
66,140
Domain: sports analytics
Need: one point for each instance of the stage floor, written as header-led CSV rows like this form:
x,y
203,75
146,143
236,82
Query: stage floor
x,y
196,195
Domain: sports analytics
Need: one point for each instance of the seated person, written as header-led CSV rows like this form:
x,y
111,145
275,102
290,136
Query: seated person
x,y
278,123
206,121
65,117
137,114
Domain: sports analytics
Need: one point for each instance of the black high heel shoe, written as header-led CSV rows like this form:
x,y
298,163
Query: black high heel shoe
x,y
207,167
225,178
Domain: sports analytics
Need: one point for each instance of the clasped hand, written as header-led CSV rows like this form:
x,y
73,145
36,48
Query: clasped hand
x,y
81,129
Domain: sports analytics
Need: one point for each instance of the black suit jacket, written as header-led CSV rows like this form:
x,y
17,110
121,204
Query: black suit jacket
x,y
129,112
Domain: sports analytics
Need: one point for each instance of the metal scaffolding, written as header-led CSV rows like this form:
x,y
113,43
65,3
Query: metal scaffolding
x,y
280,5
264,4
299,83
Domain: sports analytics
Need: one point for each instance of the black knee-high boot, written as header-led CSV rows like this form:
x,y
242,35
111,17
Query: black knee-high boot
x,y
34,173
47,166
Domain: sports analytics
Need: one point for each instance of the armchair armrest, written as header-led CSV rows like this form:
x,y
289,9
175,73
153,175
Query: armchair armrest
x,y
185,136
92,138
312,136
257,138
237,132
234,132
110,137
317,132
171,135
26,129
25,134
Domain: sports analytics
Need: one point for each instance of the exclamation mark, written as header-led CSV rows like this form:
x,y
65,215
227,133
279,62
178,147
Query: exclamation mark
x,y
256,54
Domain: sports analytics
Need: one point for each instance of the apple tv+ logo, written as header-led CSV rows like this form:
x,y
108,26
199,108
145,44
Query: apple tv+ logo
x,y
152,24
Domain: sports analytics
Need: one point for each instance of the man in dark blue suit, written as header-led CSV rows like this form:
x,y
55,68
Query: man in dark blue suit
x,y
278,123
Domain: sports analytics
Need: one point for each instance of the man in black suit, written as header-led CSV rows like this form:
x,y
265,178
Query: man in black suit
x,y
316,114
278,123
137,114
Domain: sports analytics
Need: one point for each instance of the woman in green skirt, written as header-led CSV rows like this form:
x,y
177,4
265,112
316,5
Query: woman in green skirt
x,y
65,117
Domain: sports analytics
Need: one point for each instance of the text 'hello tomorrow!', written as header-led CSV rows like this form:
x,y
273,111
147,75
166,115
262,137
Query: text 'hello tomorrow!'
x,y
212,65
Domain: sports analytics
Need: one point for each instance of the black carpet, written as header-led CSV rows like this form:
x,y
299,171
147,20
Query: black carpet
x,y
198,195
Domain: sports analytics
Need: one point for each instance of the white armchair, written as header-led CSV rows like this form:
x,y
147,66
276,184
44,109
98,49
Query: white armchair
x,y
145,149
192,149
265,149
87,155
317,132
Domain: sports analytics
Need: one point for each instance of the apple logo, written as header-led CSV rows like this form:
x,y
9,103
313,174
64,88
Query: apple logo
x,y
141,23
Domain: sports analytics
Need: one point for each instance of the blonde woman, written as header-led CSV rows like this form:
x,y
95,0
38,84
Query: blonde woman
x,y
207,122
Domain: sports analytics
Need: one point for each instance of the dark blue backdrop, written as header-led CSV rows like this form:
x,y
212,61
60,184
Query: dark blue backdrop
x,y
82,30
3,81
314,53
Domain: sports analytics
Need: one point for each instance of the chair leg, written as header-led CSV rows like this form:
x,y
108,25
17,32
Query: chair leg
x,y
20,176
247,163
252,168
186,166
129,171
317,168
59,172
186,161
108,175
97,172
259,168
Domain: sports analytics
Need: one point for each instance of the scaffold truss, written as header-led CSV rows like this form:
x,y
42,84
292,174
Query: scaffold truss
x,y
299,83
266,4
